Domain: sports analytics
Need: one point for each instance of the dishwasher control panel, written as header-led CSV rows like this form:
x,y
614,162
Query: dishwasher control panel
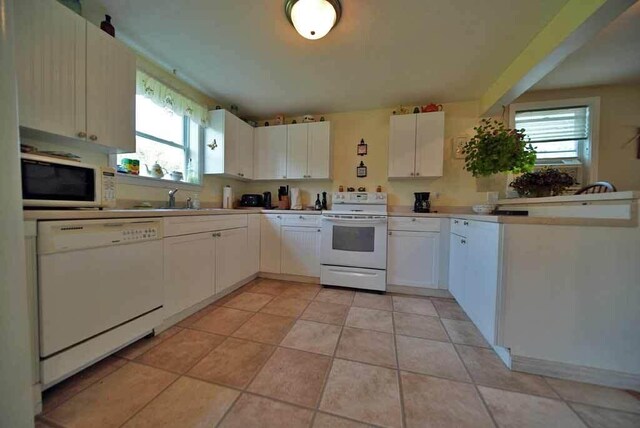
x,y
55,236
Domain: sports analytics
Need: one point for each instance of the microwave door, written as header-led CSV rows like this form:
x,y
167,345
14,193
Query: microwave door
x,y
55,184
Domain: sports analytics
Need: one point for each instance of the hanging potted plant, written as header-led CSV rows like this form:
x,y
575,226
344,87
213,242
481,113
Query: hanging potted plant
x,y
497,149
545,182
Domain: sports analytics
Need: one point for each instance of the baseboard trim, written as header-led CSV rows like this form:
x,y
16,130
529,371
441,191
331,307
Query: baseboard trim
x,y
417,291
287,277
575,372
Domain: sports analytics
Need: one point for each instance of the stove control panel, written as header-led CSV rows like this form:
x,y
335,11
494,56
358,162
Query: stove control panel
x,y
371,198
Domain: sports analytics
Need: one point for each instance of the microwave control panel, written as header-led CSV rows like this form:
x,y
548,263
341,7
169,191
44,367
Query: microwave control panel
x,y
108,187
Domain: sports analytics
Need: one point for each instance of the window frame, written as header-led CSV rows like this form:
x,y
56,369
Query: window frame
x,y
588,155
186,147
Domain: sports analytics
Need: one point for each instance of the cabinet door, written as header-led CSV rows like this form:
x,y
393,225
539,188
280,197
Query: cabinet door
x,y
231,144
413,259
319,150
300,250
270,153
253,242
297,153
231,253
457,268
189,271
111,91
402,146
245,150
51,67
430,144
482,276
270,243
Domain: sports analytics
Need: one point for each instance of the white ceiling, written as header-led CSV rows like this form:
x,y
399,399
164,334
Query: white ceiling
x,y
381,53
612,57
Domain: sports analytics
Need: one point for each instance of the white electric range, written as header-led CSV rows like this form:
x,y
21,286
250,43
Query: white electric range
x,y
354,241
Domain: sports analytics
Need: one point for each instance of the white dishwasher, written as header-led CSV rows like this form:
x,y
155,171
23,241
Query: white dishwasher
x,y
100,286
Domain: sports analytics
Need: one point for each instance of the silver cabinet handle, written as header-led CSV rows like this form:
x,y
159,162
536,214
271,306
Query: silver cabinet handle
x,y
301,218
319,230
462,241
466,223
278,216
455,222
413,219
93,137
82,134
390,233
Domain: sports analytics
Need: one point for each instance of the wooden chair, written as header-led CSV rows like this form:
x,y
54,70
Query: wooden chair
x,y
597,187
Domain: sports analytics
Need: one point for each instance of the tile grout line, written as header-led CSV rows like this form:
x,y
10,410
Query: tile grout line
x,y
475,385
571,409
398,373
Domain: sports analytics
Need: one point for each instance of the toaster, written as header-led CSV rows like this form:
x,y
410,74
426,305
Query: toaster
x,y
251,200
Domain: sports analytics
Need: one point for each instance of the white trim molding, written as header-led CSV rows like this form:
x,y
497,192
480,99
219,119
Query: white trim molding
x,y
575,372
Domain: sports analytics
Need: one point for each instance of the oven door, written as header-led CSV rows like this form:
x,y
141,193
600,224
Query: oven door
x,y
354,241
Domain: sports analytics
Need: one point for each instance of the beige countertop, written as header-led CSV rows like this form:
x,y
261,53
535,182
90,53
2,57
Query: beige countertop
x,y
85,214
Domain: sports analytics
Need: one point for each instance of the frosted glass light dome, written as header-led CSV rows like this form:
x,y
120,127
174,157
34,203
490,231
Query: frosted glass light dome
x,y
313,19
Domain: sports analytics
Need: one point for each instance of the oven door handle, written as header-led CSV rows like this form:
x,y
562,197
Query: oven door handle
x,y
355,220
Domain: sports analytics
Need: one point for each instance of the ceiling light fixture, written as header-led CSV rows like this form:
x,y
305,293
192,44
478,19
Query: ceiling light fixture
x,y
313,19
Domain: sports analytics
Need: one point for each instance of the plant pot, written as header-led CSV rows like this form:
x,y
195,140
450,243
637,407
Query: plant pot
x,y
491,183
538,192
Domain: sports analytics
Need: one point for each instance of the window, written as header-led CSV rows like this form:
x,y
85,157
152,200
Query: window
x,y
557,134
165,138
564,133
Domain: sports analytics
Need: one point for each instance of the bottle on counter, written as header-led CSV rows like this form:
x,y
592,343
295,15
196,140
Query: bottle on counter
x,y
324,200
195,201
318,203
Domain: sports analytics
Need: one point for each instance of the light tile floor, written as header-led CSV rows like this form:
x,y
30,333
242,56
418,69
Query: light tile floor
x,y
284,354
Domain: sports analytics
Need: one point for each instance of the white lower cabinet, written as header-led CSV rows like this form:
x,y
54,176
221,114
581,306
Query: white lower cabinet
x,y
200,265
231,256
413,258
290,244
270,243
189,271
300,250
474,266
253,244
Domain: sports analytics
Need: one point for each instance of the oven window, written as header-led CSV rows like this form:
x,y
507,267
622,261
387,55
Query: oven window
x,y
44,181
358,239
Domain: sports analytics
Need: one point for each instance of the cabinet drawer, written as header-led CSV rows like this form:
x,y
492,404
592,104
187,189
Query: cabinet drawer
x,y
309,220
175,226
460,226
418,224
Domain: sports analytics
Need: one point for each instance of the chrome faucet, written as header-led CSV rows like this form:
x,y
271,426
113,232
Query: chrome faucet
x,y
172,198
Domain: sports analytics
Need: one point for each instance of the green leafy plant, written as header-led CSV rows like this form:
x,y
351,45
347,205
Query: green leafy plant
x,y
496,149
545,182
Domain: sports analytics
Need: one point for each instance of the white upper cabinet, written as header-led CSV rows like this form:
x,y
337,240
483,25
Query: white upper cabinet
x,y
270,153
51,67
293,152
111,91
429,144
319,150
297,151
228,146
416,145
73,80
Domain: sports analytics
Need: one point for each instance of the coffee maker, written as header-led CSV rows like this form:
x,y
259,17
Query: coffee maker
x,y
422,204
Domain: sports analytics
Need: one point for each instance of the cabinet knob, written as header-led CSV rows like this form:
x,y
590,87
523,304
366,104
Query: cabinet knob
x,y
417,173
466,223
284,176
413,219
301,218
82,134
319,230
93,137
278,216
411,174
390,233
462,241
455,222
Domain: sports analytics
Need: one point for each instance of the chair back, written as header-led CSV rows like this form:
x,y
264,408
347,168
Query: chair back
x,y
597,187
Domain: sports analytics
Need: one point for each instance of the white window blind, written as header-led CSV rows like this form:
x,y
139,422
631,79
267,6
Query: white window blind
x,y
555,133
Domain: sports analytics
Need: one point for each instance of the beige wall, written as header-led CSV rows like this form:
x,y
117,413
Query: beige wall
x,y
619,122
456,187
